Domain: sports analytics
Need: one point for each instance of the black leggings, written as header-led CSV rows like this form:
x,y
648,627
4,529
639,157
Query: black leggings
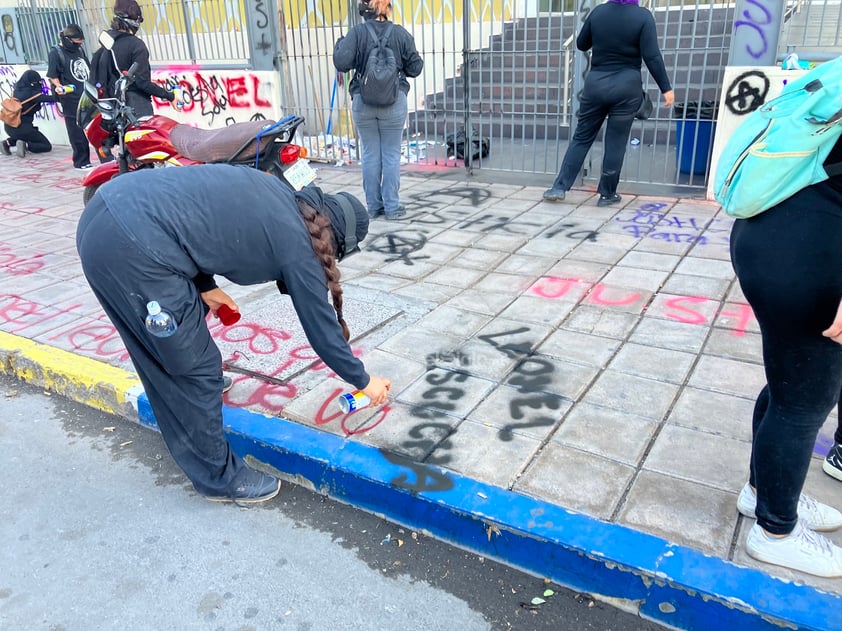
x,y
614,95
789,264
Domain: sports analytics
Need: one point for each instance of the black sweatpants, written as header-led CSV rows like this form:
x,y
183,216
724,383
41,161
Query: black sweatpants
x,y
36,141
182,373
78,140
615,95
789,264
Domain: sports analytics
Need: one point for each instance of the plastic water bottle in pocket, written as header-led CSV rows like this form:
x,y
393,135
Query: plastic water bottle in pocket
x,y
159,322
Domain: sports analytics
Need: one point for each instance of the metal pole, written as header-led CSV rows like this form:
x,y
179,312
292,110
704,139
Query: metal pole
x,y
468,151
756,32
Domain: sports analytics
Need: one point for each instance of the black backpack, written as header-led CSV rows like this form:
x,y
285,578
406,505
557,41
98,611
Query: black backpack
x,y
104,73
380,82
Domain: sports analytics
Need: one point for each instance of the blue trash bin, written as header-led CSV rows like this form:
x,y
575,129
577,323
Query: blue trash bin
x,y
694,128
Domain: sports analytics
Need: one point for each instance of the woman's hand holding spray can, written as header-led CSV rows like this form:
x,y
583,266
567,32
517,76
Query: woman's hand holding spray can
x,y
358,399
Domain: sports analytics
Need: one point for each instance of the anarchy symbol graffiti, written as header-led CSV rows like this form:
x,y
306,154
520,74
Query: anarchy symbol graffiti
x,y
398,246
747,92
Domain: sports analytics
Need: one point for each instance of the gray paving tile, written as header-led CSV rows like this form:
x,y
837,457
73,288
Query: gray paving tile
x,y
683,512
635,278
738,317
456,322
727,376
513,411
612,434
477,451
416,344
635,395
479,259
709,268
427,291
597,253
603,322
688,309
714,413
538,310
580,348
481,301
398,428
455,276
454,393
649,261
576,480
481,359
686,285
713,460
555,376
505,283
724,343
525,265
677,336
653,363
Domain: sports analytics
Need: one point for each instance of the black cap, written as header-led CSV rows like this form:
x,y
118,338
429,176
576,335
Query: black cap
x,y
348,217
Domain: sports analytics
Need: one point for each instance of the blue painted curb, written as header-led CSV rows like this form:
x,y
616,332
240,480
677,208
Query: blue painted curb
x,y
668,583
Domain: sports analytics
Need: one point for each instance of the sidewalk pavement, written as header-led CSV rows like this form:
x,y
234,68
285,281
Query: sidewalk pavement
x,y
572,385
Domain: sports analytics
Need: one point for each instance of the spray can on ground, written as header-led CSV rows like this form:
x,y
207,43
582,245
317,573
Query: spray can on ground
x,y
353,401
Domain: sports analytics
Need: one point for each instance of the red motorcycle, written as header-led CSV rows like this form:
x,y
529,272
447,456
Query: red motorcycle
x,y
159,141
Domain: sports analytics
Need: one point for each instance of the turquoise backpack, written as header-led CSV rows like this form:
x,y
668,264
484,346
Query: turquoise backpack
x,y
781,147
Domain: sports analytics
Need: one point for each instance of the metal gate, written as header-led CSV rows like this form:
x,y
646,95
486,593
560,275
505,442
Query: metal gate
x,y
505,70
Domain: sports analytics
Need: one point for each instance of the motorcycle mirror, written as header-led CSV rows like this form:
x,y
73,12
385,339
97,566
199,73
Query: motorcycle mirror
x,y
91,91
106,40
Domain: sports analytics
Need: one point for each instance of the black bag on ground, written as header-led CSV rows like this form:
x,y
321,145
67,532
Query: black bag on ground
x,y
456,145
380,82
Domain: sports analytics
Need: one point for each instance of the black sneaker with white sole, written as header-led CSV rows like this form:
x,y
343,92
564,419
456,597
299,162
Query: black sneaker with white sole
x,y
4,147
832,464
254,486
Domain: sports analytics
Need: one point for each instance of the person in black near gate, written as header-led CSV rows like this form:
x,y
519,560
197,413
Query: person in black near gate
x,y
69,66
621,34
136,245
128,49
26,137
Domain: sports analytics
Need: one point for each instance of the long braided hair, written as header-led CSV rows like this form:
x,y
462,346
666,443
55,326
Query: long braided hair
x,y
321,238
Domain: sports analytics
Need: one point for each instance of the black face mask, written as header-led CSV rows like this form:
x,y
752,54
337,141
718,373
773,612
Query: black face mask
x,y
69,45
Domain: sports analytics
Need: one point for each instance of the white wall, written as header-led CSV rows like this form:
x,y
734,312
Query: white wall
x,y
214,98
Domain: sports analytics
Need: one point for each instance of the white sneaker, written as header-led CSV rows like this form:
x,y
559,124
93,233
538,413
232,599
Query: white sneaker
x,y
802,550
817,516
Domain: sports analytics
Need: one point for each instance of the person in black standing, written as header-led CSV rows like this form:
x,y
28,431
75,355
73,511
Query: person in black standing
x,y
622,35
26,137
68,66
127,50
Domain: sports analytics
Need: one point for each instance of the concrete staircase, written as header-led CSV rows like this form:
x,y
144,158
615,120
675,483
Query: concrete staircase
x,y
516,84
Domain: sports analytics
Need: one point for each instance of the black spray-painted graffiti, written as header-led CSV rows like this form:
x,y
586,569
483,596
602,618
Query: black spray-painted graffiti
x,y
399,246
747,92
758,21
426,479
261,43
531,376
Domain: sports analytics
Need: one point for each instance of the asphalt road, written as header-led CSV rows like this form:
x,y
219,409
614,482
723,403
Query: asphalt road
x,y
100,530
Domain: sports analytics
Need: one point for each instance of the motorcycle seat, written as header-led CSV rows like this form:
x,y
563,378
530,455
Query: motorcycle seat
x,y
220,145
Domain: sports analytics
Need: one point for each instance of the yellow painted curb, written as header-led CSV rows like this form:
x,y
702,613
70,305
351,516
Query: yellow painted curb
x,y
82,379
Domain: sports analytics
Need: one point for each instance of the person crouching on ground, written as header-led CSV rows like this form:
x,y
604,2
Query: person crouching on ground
x,y
26,137
137,245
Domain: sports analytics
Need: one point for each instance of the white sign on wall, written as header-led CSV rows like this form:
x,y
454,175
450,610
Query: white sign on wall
x,y
744,89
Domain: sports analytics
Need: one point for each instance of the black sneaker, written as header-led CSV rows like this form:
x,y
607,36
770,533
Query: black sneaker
x,y
4,147
832,465
20,149
227,383
254,487
554,194
607,200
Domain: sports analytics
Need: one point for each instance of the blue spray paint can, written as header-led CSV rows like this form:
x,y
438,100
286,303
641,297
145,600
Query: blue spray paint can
x,y
353,401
